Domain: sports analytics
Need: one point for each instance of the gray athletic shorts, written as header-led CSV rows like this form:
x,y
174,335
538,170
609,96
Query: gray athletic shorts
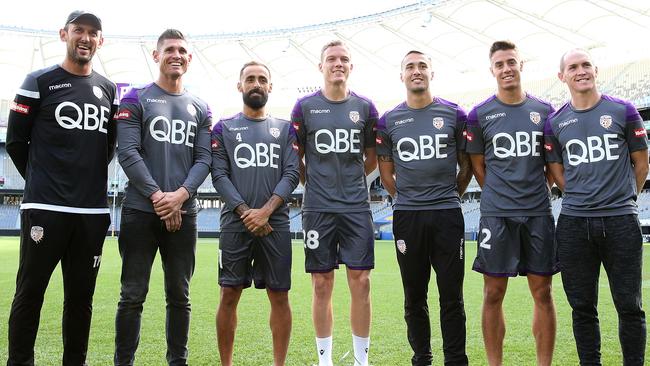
x,y
333,238
508,246
244,257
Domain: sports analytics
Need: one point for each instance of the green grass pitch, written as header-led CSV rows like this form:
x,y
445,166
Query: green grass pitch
x,y
253,341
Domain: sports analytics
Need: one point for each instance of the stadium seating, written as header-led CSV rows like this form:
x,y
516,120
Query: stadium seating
x,y
9,217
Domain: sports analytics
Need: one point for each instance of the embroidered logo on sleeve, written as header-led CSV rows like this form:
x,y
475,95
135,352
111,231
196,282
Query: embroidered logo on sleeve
x,y
19,108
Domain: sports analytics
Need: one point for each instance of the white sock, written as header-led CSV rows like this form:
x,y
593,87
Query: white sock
x,y
361,346
324,349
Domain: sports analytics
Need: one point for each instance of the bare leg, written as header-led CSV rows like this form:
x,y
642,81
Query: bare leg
x,y
493,320
360,307
544,323
280,322
322,286
227,322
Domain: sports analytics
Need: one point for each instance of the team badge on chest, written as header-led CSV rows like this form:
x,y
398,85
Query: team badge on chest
x,y
275,132
354,116
37,233
606,121
438,122
98,92
535,118
191,110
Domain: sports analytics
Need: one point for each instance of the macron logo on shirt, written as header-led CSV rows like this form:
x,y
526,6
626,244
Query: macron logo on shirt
x,y
60,86
495,116
318,111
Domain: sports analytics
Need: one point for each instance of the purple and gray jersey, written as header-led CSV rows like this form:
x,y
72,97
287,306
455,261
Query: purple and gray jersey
x,y
61,137
423,144
511,138
252,159
163,144
334,136
594,146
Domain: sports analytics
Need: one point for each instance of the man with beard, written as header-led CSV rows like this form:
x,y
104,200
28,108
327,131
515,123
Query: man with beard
x,y
254,169
420,143
504,140
60,124
164,149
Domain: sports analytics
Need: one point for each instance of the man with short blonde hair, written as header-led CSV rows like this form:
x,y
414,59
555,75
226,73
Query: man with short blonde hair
x,y
335,134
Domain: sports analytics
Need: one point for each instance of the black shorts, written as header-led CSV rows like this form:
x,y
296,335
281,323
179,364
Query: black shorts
x,y
511,246
244,257
333,238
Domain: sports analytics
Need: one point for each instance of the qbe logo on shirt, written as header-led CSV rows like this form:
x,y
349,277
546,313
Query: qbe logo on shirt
x,y
423,148
522,144
87,117
261,155
341,141
175,132
596,149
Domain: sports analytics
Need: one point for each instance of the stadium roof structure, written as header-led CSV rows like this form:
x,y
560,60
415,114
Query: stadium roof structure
x,y
455,33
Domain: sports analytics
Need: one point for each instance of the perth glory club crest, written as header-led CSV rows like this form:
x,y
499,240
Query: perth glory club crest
x,y
401,246
606,121
37,234
535,117
98,92
354,116
275,132
438,122
191,110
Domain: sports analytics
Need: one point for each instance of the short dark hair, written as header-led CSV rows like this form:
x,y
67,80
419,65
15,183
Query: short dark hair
x,y
334,43
253,63
416,52
502,46
169,34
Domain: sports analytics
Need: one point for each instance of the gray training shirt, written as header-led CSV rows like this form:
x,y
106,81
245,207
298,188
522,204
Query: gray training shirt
x,y
163,144
511,138
594,145
334,136
423,144
252,160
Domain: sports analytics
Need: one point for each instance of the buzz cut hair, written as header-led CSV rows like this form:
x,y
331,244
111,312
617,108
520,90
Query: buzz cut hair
x,y
578,49
415,52
333,43
169,34
504,45
253,63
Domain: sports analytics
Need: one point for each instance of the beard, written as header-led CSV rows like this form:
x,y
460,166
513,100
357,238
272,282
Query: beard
x,y
78,59
255,99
